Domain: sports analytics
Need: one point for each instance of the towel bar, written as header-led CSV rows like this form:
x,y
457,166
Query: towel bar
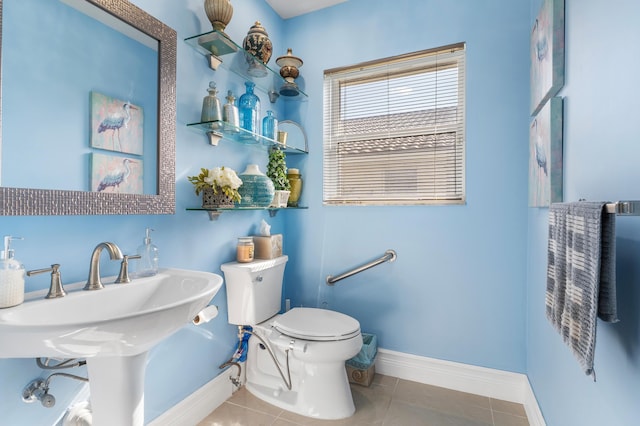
x,y
624,208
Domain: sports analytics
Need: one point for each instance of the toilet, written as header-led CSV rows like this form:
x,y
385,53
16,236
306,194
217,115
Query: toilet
x,y
315,343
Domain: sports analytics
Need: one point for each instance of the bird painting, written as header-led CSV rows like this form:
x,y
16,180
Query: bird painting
x,y
115,122
116,125
116,174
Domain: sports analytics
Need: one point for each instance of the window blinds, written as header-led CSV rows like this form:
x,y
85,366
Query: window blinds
x,y
394,130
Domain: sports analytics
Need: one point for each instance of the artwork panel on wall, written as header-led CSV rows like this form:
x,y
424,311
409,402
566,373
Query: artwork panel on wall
x,y
547,54
545,155
116,174
116,125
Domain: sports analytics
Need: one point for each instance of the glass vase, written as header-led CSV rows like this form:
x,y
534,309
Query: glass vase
x,y
270,125
249,112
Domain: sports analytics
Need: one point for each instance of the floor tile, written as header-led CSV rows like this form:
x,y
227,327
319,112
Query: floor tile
x,y
508,407
506,419
234,415
388,401
401,413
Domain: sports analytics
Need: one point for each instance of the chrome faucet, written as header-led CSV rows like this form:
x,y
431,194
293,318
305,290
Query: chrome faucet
x,y
94,283
55,288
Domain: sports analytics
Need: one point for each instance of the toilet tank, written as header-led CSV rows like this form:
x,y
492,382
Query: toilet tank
x,y
254,290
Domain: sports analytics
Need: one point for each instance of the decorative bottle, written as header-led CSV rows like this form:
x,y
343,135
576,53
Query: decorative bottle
x,y
148,262
11,276
211,109
270,125
295,180
230,114
249,112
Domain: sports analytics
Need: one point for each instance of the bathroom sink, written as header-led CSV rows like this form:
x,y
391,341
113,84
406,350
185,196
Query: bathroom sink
x,y
119,320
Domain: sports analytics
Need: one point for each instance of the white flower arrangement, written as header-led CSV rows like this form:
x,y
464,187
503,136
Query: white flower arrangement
x,y
222,179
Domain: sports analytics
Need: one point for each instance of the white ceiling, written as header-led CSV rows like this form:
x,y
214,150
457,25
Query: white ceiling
x,y
290,8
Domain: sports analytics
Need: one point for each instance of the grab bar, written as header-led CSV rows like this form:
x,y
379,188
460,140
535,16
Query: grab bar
x,y
389,255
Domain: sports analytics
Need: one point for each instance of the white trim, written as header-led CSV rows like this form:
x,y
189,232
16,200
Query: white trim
x,y
198,405
498,384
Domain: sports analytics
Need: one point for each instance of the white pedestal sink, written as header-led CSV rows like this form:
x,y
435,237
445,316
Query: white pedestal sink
x,y
112,328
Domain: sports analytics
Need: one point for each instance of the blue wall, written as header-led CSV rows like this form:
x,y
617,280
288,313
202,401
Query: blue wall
x,y
600,163
457,289
190,358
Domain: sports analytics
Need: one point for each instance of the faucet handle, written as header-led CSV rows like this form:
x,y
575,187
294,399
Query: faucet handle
x,y
123,276
55,289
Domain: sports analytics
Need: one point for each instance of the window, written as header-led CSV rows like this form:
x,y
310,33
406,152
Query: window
x,y
394,130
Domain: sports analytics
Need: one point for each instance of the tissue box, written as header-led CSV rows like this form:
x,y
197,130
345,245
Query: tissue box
x,y
268,247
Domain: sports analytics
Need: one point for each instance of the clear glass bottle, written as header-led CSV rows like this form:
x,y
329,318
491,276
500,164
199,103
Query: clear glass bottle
x,y
249,112
211,108
230,113
147,265
245,250
270,125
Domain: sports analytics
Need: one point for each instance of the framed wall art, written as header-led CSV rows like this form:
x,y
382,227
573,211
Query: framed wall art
x,y
547,53
545,155
116,125
116,174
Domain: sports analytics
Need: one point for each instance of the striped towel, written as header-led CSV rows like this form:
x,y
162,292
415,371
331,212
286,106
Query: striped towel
x,y
581,275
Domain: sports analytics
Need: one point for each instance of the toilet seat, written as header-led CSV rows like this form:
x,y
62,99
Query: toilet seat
x,y
317,325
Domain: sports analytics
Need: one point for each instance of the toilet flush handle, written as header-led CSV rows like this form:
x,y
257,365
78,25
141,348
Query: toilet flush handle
x,y
259,278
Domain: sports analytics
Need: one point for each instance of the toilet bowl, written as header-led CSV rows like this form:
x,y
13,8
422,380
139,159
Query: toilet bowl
x,y
310,345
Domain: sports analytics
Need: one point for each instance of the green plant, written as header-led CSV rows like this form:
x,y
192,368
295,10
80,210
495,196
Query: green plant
x,y
219,179
277,170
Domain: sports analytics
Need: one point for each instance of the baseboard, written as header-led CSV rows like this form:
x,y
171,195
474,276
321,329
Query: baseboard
x,y
483,381
498,384
198,405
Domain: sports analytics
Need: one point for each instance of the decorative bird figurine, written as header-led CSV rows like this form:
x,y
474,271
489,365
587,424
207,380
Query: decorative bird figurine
x,y
115,122
116,177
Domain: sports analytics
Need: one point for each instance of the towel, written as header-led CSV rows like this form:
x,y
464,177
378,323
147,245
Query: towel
x,y
581,275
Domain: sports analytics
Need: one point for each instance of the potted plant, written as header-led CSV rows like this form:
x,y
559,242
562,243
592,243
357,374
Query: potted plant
x,y
219,186
277,172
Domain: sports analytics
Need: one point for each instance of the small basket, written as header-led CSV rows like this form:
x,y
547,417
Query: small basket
x,y
361,368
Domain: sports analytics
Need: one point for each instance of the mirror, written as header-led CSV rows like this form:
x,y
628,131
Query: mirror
x,y
74,150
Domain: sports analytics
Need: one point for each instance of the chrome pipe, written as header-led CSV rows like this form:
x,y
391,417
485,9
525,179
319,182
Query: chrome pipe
x,y
389,256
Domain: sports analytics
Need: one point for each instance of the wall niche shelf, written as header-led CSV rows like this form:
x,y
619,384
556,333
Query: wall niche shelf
x,y
217,130
222,51
214,214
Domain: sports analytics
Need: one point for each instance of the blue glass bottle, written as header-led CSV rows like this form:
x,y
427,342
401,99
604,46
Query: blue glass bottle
x,y
270,125
249,112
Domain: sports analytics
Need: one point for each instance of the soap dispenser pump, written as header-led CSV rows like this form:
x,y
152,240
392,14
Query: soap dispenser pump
x,y
11,276
148,262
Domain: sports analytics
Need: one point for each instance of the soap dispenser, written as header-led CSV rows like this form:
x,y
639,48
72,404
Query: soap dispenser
x,y
11,276
148,262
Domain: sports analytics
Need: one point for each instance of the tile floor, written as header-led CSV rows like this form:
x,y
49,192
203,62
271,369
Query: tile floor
x,y
387,402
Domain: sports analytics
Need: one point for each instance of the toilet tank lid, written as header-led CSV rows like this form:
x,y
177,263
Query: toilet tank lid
x,y
256,265
317,324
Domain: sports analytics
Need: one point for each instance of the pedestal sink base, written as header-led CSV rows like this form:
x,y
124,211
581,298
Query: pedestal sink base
x,y
117,389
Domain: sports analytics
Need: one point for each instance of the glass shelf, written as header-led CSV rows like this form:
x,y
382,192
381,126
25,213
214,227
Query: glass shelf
x,y
231,56
215,213
221,129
